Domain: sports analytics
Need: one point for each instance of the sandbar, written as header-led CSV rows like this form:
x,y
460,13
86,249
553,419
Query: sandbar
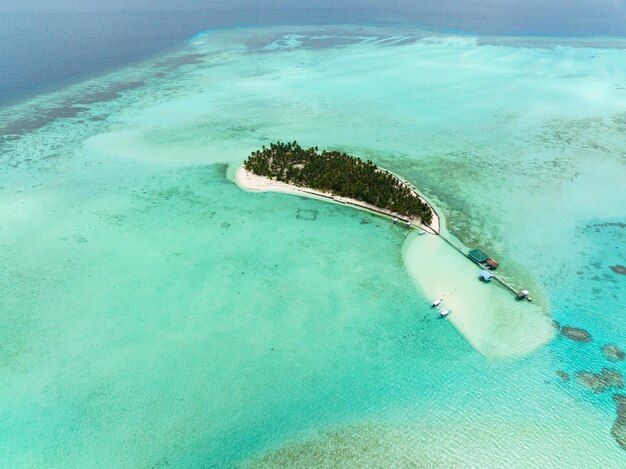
x,y
487,315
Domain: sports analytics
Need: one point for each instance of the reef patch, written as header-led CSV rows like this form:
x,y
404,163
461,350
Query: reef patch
x,y
564,375
576,334
618,269
613,353
619,427
600,382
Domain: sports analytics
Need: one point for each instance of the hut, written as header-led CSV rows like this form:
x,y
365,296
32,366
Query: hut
x,y
477,256
492,264
485,276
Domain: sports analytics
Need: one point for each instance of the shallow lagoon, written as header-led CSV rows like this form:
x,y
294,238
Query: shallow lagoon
x,y
156,314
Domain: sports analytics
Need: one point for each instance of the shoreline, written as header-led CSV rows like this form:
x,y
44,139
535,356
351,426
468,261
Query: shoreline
x,y
251,182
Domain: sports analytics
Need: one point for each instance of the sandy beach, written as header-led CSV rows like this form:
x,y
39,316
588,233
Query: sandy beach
x,y
249,181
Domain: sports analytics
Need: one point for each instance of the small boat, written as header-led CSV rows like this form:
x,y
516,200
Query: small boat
x,y
365,221
437,302
443,314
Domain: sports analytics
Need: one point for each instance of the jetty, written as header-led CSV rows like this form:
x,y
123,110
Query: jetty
x,y
476,256
479,260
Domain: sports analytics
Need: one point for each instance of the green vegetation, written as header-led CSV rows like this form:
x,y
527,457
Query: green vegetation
x,y
339,174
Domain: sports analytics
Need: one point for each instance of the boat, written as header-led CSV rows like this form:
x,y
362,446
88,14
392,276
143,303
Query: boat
x,y
437,302
443,314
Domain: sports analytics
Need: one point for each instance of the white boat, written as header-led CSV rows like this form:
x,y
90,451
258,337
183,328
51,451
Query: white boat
x,y
437,302
443,314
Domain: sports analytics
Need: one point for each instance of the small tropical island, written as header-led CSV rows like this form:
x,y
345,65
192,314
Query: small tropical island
x,y
345,177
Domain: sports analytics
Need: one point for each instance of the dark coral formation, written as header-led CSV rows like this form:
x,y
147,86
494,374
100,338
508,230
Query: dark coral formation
x,y
600,382
607,225
619,269
575,334
619,427
564,375
556,324
613,353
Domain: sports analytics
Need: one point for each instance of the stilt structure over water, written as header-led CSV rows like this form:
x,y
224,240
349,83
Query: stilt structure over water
x,y
479,257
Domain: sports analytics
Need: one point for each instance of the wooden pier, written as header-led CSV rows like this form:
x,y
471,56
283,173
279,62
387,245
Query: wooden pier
x,y
499,279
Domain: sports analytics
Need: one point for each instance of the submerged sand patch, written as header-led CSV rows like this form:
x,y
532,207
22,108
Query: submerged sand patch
x,y
486,314
444,444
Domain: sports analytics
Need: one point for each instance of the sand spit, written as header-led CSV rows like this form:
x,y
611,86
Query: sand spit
x,y
486,314
251,182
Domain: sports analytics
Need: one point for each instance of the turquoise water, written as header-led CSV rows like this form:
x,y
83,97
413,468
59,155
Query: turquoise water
x,y
154,314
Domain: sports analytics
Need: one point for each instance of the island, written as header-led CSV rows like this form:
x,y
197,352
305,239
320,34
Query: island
x,y
338,176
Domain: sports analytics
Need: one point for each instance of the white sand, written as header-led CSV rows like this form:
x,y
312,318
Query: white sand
x,y
487,315
248,181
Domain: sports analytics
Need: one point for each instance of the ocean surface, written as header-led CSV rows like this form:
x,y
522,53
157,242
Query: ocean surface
x,y
155,315
47,45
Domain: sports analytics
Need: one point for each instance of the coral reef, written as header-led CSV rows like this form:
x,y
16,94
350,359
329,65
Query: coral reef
x,y
619,427
575,334
613,353
600,382
564,375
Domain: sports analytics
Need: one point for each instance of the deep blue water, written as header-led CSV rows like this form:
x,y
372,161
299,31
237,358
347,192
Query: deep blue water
x,y
44,45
